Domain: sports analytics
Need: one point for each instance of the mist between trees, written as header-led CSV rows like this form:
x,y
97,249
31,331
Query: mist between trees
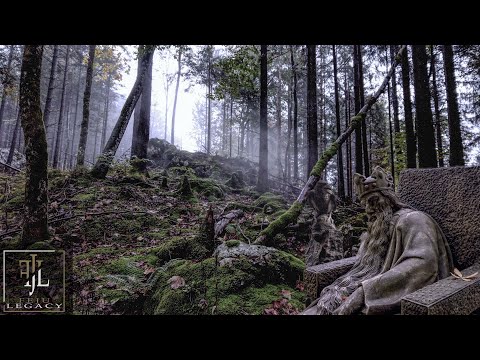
x,y
428,117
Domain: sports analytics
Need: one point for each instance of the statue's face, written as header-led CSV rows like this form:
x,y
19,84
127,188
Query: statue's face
x,y
374,202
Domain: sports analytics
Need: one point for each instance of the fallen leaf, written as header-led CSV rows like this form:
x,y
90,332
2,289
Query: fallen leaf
x,y
110,285
286,294
148,270
457,272
471,276
176,282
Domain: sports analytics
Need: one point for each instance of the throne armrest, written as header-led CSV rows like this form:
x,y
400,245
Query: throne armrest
x,y
449,296
318,276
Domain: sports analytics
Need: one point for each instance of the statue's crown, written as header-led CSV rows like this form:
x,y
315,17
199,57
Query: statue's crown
x,y
378,180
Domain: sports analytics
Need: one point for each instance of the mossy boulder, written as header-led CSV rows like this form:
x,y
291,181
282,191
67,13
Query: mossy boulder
x,y
181,247
271,203
250,282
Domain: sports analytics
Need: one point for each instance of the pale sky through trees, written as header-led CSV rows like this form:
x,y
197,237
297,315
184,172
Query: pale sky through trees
x,y
185,103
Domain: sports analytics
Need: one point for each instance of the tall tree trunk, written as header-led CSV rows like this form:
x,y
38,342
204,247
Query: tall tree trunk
x,y
341,182
224,125
51,86
179,73
349,140
312,127
436,107
295,117
396,120
209,99
231,127
390,127
262,182
66,132
103,163
279,122
11,152
60,115
456,157
72,144
294,211
366,162
35,226
358,131
107,106
4,93
407,105
288,168
82,144
141,128
427,156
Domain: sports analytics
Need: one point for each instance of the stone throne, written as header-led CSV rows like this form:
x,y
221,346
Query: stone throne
x,y
452,197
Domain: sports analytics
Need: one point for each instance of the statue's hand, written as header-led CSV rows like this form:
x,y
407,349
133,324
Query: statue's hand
x,y
353,304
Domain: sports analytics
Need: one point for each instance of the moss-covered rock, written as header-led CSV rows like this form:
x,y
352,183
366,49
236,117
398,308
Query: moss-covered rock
x,y
239,287
270,203
181,247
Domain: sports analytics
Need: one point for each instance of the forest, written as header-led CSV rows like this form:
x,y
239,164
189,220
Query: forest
x,y
177,178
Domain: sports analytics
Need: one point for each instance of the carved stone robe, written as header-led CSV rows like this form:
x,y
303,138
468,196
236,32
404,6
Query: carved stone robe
x,y
418,255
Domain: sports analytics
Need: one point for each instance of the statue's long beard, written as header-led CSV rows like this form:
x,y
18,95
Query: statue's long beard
x,y
371,256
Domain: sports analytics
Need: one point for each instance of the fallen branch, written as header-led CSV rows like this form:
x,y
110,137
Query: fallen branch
x,y
11,167
224,220
292,214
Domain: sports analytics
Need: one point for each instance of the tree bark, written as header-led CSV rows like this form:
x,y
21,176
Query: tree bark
x,y
366,162
436,107
51,85
390,127
341,182
294,211
407,105
349,140
14,140
60,115
427,156
4,93
358,131
107,106
396,120
231,127
141,128
295,117
279,123
456,157
312,127
209,101
179,73
75,118
35,226
103,163
86,108
262,182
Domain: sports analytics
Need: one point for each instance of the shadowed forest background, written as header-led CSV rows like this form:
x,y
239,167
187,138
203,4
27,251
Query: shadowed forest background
x,y
156,229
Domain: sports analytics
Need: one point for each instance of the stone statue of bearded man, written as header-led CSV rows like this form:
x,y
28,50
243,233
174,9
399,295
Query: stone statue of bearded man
x,y
402,251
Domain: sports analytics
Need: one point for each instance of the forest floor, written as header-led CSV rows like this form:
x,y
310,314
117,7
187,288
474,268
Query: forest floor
x,y
138,242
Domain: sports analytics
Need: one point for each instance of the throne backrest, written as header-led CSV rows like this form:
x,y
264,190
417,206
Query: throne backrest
x,y
452,197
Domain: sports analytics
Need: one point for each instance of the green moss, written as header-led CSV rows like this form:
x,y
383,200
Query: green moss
x,y
270,203
238,288
232,243
208,188
97,251
181,247
324,159
124,266
290,216
84,198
